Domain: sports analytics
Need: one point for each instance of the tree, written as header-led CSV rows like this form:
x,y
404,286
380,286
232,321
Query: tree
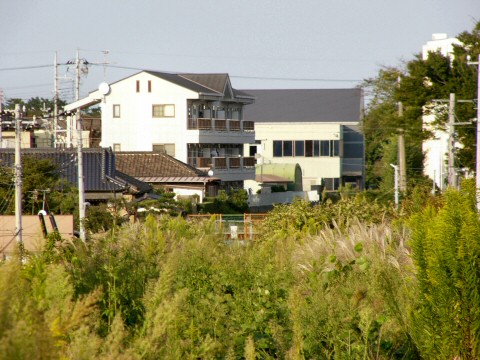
x,y
420,82
40,180
446,253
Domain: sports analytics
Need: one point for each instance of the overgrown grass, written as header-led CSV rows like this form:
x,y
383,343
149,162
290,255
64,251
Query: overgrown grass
x,y
334,281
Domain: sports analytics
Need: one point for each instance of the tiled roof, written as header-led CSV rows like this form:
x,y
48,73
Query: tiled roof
x,y
154,165
98,166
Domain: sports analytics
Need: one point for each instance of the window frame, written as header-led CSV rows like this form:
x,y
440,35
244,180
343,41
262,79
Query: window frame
x,y
162,112
116,114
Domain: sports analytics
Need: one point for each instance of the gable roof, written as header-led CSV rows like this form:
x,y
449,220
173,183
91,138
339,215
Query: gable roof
x,y
205,84
158,167
305,105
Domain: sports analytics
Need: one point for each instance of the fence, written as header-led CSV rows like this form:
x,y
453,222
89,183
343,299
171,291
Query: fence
x,y
234,226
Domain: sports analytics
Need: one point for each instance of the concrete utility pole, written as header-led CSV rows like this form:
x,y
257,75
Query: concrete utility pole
x,y
55,102
477,168
81,184
402,163
396,180
18,175
452,173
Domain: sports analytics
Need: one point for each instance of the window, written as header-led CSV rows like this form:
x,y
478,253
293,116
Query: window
x,y
316,148
324,147
160,111
335,146
149,85
277,148
287,148
138,86
168,149
308,148
116,110
299,148
117,147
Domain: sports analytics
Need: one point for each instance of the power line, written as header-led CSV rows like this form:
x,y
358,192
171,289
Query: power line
x,y
26,67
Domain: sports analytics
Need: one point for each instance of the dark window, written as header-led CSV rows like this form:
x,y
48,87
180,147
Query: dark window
x,y
324,147
149,85
316,148
253,150
138,85
299,148
335,148
277,148
288,148
308,148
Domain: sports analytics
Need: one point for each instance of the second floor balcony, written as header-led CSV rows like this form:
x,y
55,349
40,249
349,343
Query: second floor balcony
x,y
220,125
222,163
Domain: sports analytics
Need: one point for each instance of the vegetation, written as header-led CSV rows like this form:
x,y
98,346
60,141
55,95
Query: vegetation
x,y
352,279
42,187
415,85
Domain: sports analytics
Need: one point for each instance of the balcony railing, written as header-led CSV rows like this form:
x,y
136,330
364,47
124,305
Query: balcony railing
x,y
210,124
222,163
248,125
234,125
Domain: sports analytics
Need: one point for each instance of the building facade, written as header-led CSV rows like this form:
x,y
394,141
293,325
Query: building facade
x,y
196,118
315,128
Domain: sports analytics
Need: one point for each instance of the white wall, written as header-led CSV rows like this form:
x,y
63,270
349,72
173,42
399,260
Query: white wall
x,y
313,168
136,129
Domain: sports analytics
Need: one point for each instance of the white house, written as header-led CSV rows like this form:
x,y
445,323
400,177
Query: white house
x,y
196,118
436,148
315,128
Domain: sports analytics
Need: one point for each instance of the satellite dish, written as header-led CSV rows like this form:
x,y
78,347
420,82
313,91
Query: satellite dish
x,y
104,88
210,173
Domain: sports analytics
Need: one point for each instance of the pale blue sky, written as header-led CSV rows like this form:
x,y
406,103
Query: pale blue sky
x,y
261,43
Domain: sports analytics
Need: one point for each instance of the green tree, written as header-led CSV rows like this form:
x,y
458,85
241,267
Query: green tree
x,y
415,84
446,254
41,185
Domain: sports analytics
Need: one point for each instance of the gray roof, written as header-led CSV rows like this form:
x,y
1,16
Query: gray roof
x,y
100,174
206,84
305,105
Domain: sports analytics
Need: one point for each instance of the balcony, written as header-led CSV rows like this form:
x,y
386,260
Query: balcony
x,y
209,124
222,163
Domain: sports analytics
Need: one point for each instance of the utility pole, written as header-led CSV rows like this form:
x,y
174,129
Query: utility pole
x,y
452,174
1,110
402,163
395,167
477,170
55,102
81,184
18,176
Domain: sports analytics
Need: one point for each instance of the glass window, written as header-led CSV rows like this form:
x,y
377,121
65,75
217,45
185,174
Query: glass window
x,y
308,148
138,86
168,149
335,146
316,148
277,148
149,85
299,148
288,148
117,147
160,111
324,147
116,110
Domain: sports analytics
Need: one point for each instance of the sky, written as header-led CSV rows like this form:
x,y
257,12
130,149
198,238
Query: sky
x,y
261,44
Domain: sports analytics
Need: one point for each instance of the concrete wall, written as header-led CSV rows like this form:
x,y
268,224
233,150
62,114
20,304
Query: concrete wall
x,y
259,200
31,231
